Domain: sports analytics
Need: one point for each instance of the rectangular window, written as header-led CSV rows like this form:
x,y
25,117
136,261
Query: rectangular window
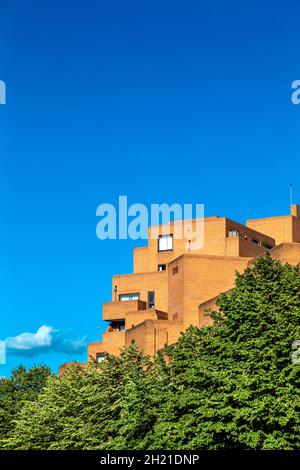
x,y
118,325
233,233
151,299
269,247
134,296
161,267
100,357
165,243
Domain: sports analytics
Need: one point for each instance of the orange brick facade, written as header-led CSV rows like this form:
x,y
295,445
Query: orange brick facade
x,y
170,290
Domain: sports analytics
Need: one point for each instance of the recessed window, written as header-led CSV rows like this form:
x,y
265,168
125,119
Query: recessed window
x,y
151,299
255,241
233,233
118,325
165,242
175,270
161,267
133,296
269,247
100,357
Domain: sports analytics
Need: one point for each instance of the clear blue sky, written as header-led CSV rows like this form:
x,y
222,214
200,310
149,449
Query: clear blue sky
x,y
163,101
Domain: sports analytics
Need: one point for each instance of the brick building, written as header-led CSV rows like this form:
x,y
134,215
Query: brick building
x,y
171,286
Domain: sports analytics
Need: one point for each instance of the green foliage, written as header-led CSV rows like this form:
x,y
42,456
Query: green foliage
x,y
231,385
86,408
23,386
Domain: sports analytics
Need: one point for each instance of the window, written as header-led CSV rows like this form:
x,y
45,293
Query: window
x,y
165,243
269,247
265,245
100,357
134,296
161,267
175,270
118,325
233,233
151,299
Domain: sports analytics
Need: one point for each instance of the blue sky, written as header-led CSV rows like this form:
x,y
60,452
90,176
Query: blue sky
x,y
162,101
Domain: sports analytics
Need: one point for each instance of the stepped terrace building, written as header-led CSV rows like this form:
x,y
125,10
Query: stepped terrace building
x,y
171,287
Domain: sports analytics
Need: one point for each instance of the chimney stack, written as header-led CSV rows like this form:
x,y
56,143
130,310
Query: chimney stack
x,y
295,210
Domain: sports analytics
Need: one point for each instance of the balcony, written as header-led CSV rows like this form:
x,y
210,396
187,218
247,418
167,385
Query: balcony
x,y
112,342
113,311
135,318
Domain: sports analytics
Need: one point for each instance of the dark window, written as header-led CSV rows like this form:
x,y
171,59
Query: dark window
x,y
151,299
255,241
162,267
265,245
118,325
175,270
165,243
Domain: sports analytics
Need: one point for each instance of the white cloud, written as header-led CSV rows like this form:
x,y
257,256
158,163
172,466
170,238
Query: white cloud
x,y
45,339
26,341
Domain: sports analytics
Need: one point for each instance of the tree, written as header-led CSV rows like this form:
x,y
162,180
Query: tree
x,y
88,407
233,384
23,386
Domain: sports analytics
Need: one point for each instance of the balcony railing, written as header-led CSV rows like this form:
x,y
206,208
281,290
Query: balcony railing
x,y
112,311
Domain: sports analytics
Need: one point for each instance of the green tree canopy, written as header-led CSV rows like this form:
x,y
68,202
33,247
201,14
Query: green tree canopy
x,y
231,385
24,385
